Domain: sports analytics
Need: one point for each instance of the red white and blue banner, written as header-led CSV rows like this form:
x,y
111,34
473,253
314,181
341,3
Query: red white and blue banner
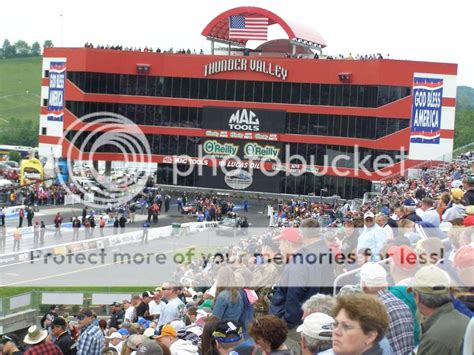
x,y
57,80
426,110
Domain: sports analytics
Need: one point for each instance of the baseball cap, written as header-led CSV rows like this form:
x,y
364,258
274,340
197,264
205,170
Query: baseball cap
x,y
147,294
403,256
373,275
149,332
59,321
456,183
431,280
116,304
149,347
134,341
317,326
227,331
84,314
123,331
464,257
167,330
457,193
470,179
409,202
115,335
369,214
290,234
10,337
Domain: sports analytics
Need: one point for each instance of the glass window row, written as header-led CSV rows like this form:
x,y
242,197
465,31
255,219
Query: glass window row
x,y
305,184
297,123
239,90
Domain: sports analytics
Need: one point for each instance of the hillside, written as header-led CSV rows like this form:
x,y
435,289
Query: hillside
x,y
464,129
20,86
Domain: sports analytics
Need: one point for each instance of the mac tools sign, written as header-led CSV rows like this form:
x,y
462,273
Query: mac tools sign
x,y
244,120
426,110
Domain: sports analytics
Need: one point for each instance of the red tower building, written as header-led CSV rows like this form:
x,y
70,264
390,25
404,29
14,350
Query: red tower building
x,y
350,120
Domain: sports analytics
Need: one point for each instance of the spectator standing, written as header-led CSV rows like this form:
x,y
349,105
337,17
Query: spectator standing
x,y
372,238
443,326
91,339
174,308
16,239
39,346
63,338
21,216
373,280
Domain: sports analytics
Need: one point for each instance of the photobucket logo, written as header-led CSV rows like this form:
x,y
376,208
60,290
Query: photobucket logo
x,y
269,162
105,130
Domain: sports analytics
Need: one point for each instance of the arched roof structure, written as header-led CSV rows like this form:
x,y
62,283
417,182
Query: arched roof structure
x,y
218,28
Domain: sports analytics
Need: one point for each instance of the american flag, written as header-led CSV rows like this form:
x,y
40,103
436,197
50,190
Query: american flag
x,y
243,27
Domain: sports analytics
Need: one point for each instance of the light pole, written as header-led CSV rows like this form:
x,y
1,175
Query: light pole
x,y
321,194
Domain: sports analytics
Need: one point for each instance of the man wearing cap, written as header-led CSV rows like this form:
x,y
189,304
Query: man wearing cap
x,y
117,316
373,280
457,208
149,347
316,333
116,341
10,345
142,309
468,183
39,346
372,238
229,338
63,338
91,340
443,328
410,208
169,338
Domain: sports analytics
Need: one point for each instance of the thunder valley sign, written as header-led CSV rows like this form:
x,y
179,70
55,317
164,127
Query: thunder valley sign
x,y
244,64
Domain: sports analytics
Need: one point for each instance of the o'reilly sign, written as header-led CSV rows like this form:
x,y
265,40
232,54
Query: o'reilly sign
x,y
243,120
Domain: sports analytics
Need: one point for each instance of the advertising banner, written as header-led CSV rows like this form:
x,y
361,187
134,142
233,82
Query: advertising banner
x,y
57,79
31,171
426,110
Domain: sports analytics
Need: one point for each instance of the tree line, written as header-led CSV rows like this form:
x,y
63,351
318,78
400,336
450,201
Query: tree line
x,y
21,49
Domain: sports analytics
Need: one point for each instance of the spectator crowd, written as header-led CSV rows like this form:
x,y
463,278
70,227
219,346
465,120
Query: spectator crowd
x,y
397,278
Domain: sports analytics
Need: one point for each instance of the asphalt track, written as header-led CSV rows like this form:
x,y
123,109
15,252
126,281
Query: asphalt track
x,y
102,262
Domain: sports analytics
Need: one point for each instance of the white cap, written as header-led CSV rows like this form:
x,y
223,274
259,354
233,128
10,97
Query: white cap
x,y
115,335
317,326
373,275
368,214
149,332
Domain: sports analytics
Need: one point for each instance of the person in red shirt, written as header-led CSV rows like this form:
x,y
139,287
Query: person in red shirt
x,y
39,344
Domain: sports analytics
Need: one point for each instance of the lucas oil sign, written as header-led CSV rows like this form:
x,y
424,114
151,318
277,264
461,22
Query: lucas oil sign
x,y
426,110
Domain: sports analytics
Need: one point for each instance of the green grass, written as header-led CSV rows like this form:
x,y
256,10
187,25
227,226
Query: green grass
x,y
20,88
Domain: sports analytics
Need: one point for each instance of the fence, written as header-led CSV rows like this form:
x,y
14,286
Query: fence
x,y
39,300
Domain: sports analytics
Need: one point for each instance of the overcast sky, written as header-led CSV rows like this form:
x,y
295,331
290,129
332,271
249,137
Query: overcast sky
x,y
425,30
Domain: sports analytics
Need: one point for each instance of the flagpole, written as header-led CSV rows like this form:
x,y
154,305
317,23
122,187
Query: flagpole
x,y
62,27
